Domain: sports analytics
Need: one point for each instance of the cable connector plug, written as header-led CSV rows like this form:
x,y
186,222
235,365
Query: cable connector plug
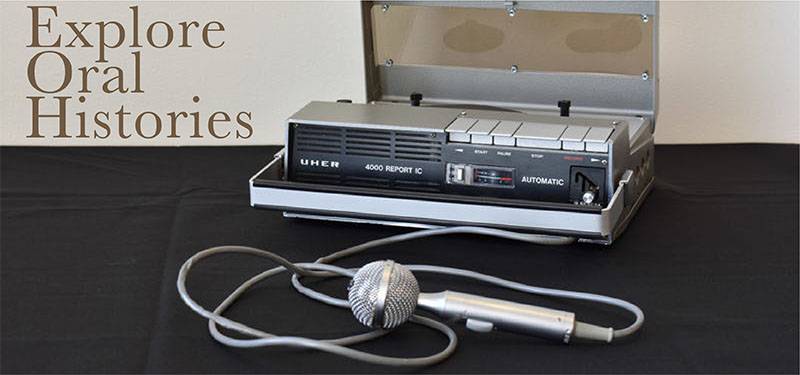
x,y
592,332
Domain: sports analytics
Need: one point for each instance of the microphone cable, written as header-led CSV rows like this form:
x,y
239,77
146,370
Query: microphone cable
x,y
322,268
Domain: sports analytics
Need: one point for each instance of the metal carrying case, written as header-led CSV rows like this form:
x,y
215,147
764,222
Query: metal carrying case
x,y
481,60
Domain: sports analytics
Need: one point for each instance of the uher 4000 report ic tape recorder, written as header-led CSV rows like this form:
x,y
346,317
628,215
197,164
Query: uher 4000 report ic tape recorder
x,y
531,133
523,121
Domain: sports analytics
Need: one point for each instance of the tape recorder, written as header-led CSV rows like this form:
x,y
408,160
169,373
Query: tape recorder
x,y
488,146
391,163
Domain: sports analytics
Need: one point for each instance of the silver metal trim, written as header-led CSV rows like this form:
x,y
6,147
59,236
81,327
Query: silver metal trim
x,y
356,220
399,209
592,92
275,159
620,7
375,116
413,210
383,290
610,216
619,228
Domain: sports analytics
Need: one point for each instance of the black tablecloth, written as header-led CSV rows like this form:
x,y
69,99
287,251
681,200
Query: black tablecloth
x,y
92,239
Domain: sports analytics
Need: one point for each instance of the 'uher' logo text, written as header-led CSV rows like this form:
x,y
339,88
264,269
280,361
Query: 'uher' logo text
x,y
319,163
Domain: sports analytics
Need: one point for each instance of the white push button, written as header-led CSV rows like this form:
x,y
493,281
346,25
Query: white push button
x,y
573,146
596,139
479,325
503,133
480,139
457,130
572,139
538,135
506,128
458,137
596,147
538,143
536,130
598,134
483,127
461,125
479,133
574,133
504,141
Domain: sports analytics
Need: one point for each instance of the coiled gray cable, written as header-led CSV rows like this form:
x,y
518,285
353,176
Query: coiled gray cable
x,y
320,268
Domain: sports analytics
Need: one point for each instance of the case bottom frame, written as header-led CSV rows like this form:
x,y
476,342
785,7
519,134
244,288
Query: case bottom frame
x,y
593,227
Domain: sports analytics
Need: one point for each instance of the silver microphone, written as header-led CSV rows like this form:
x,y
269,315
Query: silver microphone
x,y
384,294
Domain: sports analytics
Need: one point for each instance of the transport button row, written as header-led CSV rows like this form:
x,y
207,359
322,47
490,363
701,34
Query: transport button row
x,y
529,134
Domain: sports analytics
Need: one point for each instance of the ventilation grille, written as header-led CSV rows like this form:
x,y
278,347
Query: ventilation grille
x,y
318,178
418,146
326,140
417,185
367,181
384,144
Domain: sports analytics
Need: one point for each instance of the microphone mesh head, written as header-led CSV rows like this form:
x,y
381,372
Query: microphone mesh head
x,y
402,292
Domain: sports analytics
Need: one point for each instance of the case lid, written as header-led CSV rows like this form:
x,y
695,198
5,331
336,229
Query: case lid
x,y
527,55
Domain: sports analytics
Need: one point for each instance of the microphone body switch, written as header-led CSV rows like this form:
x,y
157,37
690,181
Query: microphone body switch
x,y
484,314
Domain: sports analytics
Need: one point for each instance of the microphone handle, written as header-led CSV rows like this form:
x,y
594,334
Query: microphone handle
x,y
484,314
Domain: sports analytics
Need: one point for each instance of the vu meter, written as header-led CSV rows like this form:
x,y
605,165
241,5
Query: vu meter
x,y
479,175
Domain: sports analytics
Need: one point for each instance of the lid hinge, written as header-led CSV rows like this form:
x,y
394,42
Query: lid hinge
x,y
511,8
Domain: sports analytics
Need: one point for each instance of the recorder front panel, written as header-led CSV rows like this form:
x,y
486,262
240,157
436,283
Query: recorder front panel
x,y
430,162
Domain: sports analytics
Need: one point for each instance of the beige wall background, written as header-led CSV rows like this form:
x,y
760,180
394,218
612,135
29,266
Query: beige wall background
x,y
728,70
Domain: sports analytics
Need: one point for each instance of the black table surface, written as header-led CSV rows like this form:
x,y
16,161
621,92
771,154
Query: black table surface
x,y
92,239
